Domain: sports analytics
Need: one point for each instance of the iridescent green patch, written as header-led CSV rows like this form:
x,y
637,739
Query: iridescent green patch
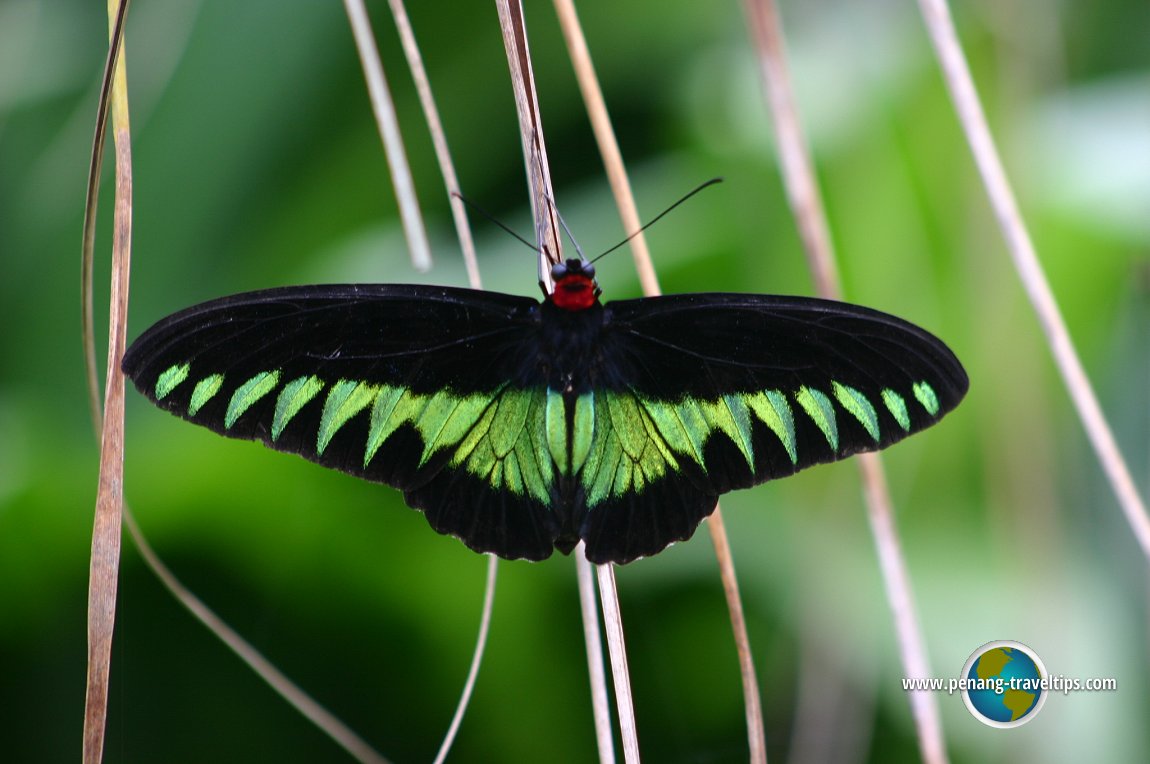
x,y
897,407
500,448
859,407
293,398
772,409
821,411
171,379
248,393
628,451
345,399
925,395
204,391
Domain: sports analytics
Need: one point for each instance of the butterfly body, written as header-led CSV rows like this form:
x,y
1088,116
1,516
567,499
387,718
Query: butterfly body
x,y
523,426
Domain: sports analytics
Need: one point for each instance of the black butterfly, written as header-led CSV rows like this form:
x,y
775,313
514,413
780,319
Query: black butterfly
x,y
522,426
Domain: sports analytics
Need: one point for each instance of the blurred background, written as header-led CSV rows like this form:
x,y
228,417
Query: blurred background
x,y
257,164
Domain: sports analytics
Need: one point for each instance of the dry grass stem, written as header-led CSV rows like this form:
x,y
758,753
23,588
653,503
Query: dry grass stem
x,y
476,660
531,132
802,191
547,232
617,648
752,702
389,132
794,155
106,531
467,246
590,609
605,139
438,140
625,200
940,26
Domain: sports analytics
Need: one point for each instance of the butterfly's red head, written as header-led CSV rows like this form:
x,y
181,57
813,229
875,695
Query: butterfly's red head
x,y
575,287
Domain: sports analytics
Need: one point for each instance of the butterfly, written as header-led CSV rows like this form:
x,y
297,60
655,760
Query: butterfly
x,y
524,426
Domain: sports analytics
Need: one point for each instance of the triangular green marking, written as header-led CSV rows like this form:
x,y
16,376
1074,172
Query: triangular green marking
x,y
695,425
464,414
248,393
925,395
741,420
859,407
584,431
170,379
293,398
897,407
204,391
729,415
445,419
772,409
382,423
345,399
819,408
657,454
672,433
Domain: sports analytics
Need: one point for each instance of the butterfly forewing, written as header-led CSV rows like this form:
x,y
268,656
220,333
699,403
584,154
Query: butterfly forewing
x,y
389,383
706,393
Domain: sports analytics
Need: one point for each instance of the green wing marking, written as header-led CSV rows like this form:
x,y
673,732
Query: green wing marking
x,y
616,444
206,389
248,393
636,441
291,399
171,379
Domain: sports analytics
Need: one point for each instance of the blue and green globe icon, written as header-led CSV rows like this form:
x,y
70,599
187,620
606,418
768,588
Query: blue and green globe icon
x,y
1004,684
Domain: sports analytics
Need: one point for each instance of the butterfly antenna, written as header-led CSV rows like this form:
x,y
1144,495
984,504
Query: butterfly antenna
x,y
657,218
496,221
567,231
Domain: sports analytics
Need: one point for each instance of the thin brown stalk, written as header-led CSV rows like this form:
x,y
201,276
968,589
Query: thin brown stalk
x,y
106,538
467,245
531,132
476,660
956,72
752,702
605,138
110,506
438,140
547,234
590,610
617,648
625,200
388,124
91,205
802,192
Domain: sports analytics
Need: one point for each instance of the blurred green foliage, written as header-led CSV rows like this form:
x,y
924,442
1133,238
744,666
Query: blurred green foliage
x,y
257,164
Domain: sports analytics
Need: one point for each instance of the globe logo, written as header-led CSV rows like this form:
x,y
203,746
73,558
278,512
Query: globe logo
x,y
1004,684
